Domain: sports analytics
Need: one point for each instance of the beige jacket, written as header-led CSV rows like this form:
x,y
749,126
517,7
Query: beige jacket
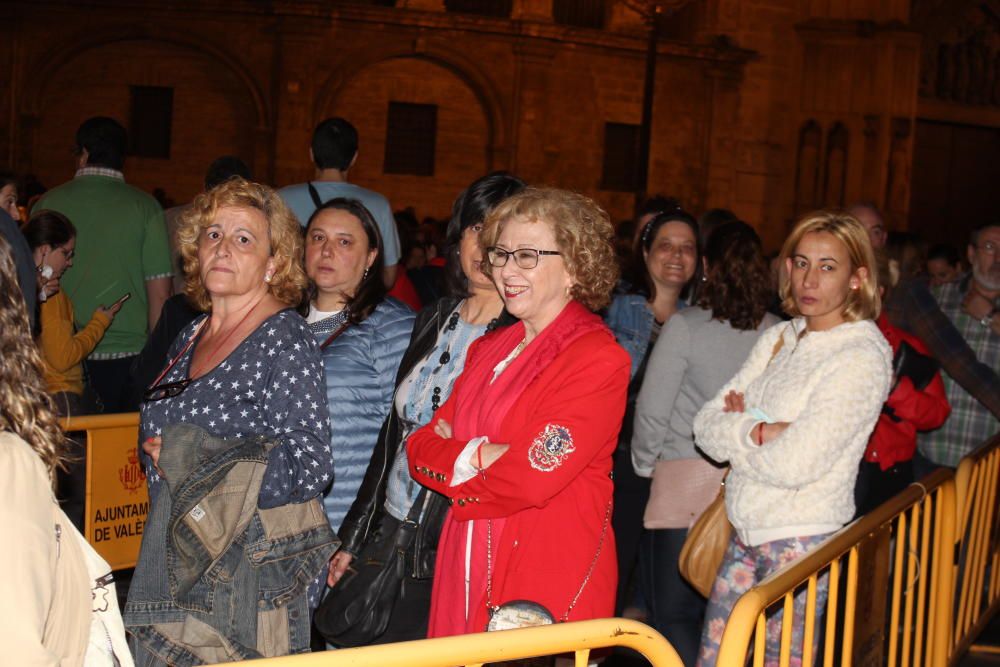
x,y
45,615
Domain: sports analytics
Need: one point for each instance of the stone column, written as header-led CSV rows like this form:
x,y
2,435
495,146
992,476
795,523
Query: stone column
x,y
295,80
529,148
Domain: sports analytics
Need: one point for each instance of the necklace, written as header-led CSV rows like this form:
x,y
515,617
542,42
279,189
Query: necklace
x,y
445,358
229,334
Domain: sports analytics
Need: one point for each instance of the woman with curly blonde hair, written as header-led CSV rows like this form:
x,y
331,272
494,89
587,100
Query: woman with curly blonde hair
x,y
231,372
53,574
523,445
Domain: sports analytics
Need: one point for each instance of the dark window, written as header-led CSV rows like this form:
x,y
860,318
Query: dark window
x,y
150,118
621,157
583,13
410,134
499,8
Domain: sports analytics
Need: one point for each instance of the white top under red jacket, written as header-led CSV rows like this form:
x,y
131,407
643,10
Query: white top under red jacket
x,y
559,406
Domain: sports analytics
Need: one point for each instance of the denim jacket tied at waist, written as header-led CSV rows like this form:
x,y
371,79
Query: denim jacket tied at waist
x,y
209,556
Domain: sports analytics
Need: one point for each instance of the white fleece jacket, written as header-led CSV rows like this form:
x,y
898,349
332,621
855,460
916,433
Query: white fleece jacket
x,y
830,387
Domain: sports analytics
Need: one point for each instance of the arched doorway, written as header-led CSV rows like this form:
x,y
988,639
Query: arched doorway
x,y
462,136
213,112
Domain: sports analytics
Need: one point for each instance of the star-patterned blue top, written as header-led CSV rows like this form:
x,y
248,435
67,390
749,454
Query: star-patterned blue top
x,y
272,384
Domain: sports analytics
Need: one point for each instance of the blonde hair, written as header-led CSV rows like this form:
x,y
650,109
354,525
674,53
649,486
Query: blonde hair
x,y
288,282
25,407
584,236
863,303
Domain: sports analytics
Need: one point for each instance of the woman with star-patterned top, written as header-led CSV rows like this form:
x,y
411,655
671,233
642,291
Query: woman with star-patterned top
x,y
249,366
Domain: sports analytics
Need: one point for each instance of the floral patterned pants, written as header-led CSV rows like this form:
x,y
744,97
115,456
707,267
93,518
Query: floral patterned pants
x,y
742,567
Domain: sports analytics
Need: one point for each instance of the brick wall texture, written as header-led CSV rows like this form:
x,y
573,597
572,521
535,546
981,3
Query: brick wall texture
x,y
736,81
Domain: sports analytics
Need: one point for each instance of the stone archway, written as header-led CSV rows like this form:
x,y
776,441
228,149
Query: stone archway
x,y
218,108
467,131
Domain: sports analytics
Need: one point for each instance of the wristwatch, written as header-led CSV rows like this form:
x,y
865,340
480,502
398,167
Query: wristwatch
x,y
987,320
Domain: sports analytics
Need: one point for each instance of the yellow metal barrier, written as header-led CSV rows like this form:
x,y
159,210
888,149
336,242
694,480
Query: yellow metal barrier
x,y
977,551
475,650
899,615
116,498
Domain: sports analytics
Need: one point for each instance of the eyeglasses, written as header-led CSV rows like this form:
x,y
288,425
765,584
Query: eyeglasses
x,y
168,390
526,258
987,247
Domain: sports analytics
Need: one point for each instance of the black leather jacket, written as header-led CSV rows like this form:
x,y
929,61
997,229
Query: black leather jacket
x,y
368,509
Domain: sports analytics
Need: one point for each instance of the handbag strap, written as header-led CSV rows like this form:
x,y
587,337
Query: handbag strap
x,y
407,530
334,335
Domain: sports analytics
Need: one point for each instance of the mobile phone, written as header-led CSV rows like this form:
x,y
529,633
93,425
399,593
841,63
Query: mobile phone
x,y
125,297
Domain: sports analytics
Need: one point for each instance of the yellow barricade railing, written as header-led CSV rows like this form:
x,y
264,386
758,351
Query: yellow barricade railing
x,y
116,498
900,554
977,552
578,638
912,583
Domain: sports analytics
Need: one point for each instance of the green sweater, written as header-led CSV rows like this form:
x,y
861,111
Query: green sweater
x,y
121,243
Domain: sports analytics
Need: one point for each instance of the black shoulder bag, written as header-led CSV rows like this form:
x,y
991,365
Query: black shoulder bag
x,y
356,611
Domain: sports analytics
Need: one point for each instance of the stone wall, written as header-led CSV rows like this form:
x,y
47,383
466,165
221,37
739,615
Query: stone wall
x,y
767,107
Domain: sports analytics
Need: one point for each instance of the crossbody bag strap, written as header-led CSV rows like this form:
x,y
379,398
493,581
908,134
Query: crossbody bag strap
x,y
407,531
314,194
325,344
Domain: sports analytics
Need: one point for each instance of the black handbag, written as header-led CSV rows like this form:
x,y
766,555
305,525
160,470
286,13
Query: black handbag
x,y
920,368
356,611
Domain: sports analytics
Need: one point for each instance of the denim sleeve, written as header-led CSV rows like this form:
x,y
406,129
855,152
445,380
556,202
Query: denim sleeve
x,y
300,466
926,321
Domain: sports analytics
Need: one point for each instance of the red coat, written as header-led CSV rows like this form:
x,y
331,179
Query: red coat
x,y
907,410
403,289
554,507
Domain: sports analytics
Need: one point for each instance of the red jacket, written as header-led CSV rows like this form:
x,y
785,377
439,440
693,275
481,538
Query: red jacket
x,y
403,289
907,410
554,513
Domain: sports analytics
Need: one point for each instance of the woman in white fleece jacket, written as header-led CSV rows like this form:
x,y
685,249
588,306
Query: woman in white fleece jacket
x,y
794,422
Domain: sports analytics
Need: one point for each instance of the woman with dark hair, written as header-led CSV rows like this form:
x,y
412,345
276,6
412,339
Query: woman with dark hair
x,y
667,252
698,350
435,357
52,239
361,333
8,195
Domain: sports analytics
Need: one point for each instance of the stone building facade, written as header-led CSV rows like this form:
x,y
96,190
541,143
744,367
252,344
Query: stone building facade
x,y
767,107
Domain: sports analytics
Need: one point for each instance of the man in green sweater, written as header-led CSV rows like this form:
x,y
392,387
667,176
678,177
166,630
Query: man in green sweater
x,y
121,249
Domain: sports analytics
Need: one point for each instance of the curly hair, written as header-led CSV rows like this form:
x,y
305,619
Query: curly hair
x,y
584,235
288,282
737,287
863,303
25,407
